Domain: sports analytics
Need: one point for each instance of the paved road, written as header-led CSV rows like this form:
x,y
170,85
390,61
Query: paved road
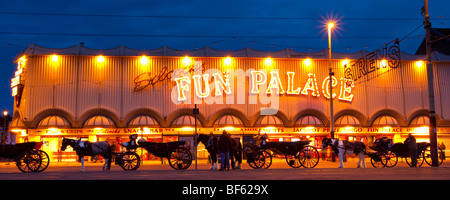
x,y
279,170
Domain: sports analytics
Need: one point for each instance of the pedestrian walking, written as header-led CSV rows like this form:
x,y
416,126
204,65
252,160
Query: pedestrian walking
x,y
410,142
224,150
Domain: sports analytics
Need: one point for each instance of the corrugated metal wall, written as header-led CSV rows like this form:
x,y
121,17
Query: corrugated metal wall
x,y
442,89
78,84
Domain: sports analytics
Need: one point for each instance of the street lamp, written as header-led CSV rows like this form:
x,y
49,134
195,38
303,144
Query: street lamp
x,y
330,25
430,74
4,127
196,112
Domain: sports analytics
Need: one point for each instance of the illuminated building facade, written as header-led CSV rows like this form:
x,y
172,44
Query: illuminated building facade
x,y
109,94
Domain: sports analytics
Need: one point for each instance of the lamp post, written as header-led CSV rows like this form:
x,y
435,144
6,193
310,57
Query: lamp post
x,y
430,74
4,127
196,112
330,26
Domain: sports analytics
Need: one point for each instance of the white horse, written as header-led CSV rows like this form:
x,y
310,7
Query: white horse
x,y
89,149
343,147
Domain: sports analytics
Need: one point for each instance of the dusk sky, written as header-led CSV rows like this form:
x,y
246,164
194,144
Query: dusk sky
x,y
224,25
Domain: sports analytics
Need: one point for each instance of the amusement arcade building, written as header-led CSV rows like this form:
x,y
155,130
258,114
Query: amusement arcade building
x,y
100,95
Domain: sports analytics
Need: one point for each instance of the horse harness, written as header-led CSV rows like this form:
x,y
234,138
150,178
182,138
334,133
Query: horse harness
x,y
212,143
83,148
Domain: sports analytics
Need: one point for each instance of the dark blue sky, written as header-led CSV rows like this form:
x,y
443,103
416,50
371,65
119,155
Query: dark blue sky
x,y
260,24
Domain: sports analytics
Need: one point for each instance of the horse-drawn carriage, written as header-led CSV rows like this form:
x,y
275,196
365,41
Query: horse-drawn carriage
x,y
297,154
387,153
27,156
179,157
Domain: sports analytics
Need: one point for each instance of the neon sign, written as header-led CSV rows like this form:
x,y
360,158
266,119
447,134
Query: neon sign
x,y
259,83
145,79
196,83
388,55
16,82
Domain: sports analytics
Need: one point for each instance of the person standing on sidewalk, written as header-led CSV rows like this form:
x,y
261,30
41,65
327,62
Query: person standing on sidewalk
x,y
224,150
410,142
442,146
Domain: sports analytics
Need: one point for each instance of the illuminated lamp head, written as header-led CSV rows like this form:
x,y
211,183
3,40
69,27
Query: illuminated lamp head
x,y
307,62
330,25
54,58
144,60
100,59
419,64
268,61
187,60
227,61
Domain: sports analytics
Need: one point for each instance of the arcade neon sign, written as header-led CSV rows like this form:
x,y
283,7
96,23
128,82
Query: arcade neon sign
x,y
261,82
17,84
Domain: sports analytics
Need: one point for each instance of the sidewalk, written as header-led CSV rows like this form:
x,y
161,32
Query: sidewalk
x,y
202,164
154,170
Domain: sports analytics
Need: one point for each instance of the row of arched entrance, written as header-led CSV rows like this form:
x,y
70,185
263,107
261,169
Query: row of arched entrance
x,y
227,117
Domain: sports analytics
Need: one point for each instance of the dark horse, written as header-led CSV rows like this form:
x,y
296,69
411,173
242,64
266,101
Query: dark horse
x,y
84,148
211,144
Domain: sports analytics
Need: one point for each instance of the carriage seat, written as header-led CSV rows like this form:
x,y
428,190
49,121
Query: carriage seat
x,y
129,145
382,144
132,143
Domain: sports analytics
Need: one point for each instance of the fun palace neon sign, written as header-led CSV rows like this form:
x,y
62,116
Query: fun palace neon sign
x,y
214,83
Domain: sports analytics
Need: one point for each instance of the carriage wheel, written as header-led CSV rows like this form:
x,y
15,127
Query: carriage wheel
x,y
427,156
21,162
250,157
258,160
130,161
420,160
376,163
252,164
389,159
308,157
24,160
253,159
267,159
293,161
45,160
181,158
34,161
